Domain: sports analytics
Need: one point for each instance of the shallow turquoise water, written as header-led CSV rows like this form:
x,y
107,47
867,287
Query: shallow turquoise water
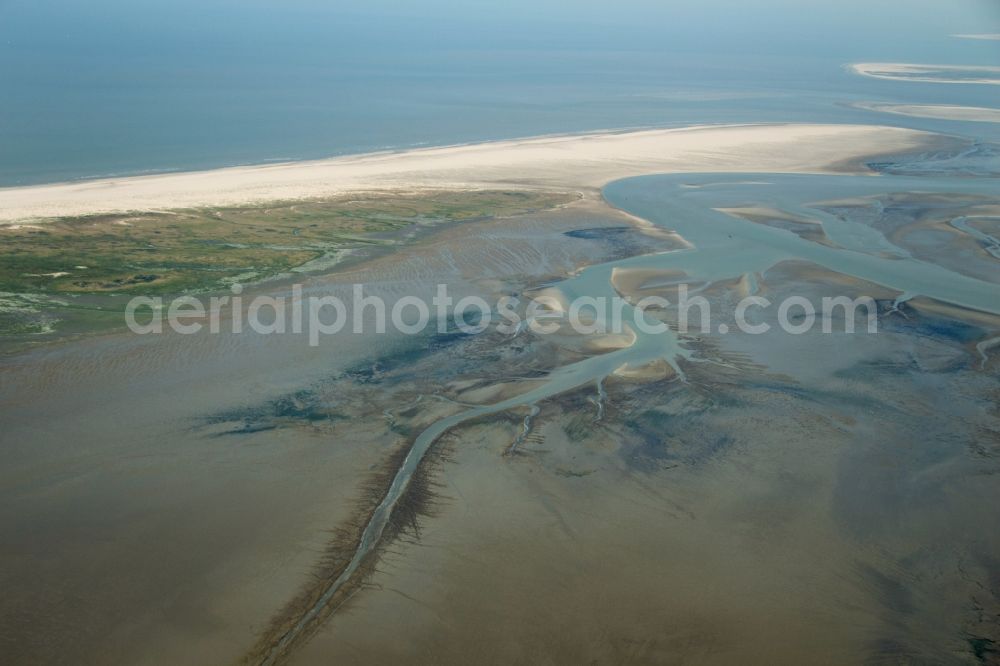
x,y
727,247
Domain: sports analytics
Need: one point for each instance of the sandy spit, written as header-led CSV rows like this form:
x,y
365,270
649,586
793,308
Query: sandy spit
x,y
574,161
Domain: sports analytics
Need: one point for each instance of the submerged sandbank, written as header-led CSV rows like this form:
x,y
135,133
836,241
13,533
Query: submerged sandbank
x,y
985,36
977,114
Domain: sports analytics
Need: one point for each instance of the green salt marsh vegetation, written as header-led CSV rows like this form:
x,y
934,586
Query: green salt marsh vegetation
x,y
74,274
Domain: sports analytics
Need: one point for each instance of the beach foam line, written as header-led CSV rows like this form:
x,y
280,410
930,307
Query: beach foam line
x,y
566,161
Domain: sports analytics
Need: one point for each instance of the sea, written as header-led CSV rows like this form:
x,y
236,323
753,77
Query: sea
x,y
110,88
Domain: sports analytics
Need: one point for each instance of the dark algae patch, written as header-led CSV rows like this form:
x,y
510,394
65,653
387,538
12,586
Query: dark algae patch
x,y
984,650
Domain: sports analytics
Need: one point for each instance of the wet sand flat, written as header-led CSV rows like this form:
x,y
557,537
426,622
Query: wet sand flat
x,y
668,499
176,498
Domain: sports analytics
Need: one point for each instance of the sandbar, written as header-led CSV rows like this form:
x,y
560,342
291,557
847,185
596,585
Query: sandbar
x,y
977,114
897,71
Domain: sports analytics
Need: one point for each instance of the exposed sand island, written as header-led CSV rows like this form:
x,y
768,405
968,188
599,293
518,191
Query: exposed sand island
x,y
987,36
977,114
897,71
589,160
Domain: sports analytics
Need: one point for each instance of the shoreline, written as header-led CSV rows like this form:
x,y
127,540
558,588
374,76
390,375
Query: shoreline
x,y
251,163
588,160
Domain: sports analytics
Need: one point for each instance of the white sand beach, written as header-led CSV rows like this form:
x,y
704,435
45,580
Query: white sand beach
x,y
575,161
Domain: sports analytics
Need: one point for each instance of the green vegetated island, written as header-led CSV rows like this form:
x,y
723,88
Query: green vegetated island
x,y
74,275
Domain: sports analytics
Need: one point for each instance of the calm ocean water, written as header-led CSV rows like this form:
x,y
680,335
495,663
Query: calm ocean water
x,y
108,87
